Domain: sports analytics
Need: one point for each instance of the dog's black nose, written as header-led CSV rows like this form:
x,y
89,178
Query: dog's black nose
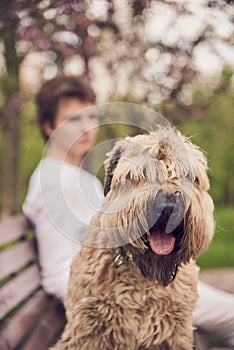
x,y
167,204
167,210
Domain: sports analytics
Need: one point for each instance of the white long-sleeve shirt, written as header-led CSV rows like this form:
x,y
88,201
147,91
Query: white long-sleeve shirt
x,y
61,200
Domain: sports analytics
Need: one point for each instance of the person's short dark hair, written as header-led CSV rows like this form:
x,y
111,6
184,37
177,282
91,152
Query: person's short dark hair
x,y
53,91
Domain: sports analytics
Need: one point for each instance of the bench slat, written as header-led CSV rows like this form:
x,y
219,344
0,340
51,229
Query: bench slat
x,y
17,289
46,331
24,320
29,318
13,228
15,257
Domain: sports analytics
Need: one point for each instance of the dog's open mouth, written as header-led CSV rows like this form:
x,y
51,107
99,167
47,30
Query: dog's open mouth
x,y
161,242
166,222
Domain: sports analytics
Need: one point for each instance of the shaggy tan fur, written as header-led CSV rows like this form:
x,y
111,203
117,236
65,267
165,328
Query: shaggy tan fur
x,y
141,298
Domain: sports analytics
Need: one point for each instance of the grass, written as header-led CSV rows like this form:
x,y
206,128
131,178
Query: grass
x,y
220,252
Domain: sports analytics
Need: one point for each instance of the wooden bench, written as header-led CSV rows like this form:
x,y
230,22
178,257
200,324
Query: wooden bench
x,y
29,318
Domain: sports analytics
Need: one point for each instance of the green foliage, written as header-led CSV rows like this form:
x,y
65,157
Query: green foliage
x,y
32,145
214,131
220,252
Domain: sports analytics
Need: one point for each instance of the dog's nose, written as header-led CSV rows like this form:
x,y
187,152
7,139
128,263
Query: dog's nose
x,y
172,210
168,209
165,201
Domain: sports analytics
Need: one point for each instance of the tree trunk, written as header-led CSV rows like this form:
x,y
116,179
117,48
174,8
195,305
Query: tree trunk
x,y
10,114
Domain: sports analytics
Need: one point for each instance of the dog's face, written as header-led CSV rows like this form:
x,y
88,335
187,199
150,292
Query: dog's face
x,y
157,209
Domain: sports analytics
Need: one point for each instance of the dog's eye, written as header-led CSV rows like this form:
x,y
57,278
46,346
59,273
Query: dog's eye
x,y
196,181
144,171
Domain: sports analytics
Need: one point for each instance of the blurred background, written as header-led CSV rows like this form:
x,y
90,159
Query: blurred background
x,y
174,56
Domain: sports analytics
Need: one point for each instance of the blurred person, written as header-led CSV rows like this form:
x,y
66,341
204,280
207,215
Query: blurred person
x,y
214,313
62,197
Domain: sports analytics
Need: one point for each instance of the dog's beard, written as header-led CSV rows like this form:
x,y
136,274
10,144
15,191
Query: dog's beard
x,y
160,268
156,267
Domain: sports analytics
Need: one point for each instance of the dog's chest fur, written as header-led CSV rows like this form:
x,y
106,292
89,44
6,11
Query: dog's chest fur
x,y
141,306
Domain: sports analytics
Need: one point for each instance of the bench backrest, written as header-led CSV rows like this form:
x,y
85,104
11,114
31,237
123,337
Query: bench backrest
x,y
29,318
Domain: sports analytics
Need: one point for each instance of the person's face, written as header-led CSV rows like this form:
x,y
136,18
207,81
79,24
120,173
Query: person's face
x,y
75,132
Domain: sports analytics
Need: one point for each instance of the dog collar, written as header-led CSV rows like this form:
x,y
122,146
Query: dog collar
x,y
121,257
118,259
117,250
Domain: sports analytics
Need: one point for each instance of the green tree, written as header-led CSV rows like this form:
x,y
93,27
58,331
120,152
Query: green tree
x,y
41,25
213,130
152,61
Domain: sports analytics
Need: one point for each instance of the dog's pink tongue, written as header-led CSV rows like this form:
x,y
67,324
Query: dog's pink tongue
x,y
161,243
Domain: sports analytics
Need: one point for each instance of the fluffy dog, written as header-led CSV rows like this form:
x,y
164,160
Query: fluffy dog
x,y
133,286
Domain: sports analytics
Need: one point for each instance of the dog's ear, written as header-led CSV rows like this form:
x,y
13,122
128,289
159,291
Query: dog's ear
x,y
111,165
